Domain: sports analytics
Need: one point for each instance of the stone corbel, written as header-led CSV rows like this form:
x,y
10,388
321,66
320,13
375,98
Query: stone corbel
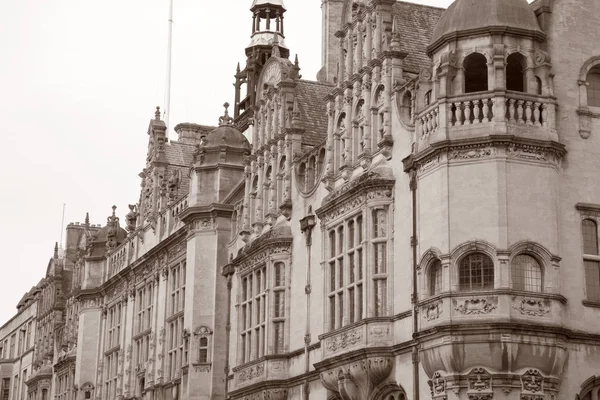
x,y
358,380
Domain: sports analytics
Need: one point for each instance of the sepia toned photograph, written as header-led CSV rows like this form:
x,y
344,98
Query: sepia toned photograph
x,y
300,200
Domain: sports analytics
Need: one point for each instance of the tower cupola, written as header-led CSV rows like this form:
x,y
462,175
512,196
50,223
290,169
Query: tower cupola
x,y
267,39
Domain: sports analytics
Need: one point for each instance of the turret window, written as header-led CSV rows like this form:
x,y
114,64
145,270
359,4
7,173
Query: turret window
x,y
515,76
476,272
593,89
435,278
476,73
526,273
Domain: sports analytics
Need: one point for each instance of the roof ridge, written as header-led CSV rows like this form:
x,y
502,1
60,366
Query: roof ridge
x,y
421,5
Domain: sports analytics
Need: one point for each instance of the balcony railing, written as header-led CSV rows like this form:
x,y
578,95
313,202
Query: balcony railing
x,y
504,109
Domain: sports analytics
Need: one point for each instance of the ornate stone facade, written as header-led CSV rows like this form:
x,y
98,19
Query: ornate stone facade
x,y
448,159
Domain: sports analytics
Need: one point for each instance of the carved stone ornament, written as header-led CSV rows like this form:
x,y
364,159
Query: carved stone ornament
x,y
480,385
432,311
251,373
475,306
532,381
437,386
474,153
532,307
357,380
344,339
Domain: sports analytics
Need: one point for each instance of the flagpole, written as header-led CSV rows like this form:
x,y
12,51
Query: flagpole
x,y
167,112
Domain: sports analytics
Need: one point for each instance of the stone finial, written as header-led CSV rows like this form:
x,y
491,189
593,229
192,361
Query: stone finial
x,y
225,119
56,250
238,68
157,113
87,219
112,223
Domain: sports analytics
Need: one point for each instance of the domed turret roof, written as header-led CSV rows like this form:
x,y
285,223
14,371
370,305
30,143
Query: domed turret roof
x,y
465,17
226,134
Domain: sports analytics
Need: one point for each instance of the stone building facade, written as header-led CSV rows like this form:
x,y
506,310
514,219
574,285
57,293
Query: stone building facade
x,y
420,222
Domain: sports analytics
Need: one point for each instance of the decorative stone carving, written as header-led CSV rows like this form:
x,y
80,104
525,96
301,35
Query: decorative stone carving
x,y
475,306
131,218
532,381
357,380
471,153
480,384
432,311
437,385
251,373
532,307
344,339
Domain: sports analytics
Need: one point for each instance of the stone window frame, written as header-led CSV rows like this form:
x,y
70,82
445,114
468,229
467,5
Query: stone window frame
x,y
586,112
201,333
341,286
590,389
175,348
589,212
267,296
369,278
464,250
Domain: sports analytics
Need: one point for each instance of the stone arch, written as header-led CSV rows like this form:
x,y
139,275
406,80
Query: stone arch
x,y
587,67
390,391
476,72
589,387
516,65
467,248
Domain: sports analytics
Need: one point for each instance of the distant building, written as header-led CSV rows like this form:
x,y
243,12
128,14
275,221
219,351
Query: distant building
x,y
421,222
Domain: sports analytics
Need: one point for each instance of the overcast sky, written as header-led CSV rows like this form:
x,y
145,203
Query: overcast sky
x,y
80,80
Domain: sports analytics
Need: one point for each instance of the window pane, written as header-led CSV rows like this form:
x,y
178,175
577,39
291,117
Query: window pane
x,y
526,273
332,312
332,276
379,223
380,297
590,237
351,304
359,229
593,90
332,243
592,280
380,258
475,272
279,341
350,234
435,278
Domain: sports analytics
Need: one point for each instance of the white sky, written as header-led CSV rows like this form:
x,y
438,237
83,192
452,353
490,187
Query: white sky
x,y
80,80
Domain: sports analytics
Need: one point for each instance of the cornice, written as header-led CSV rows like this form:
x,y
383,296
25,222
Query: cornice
x,y
211,211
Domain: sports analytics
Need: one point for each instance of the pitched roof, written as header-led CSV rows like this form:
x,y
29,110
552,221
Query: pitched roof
x,y
415,24
312,110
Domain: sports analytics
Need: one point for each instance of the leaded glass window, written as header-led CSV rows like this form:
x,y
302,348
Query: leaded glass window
x,y
526,273
476,272
435,278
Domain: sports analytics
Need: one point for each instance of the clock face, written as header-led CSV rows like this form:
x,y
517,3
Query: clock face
x,y
272,74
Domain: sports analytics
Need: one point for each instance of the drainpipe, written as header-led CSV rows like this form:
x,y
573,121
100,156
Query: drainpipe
x,y
413,244
228,271
306,226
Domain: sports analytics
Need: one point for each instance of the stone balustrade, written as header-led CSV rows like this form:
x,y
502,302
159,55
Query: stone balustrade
x,y
504,111
372,332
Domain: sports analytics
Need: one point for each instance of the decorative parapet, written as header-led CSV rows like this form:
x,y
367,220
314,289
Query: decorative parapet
x,y
266,369
375,332
500,305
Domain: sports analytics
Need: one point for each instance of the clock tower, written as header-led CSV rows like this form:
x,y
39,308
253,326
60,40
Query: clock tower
x,y
267,39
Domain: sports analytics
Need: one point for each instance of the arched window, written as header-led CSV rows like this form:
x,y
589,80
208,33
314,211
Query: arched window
x,y
476,73
515,76
590,389
538,85
591,261
590,237
526,273
406,109
321,164
435,278
302,176
312,166
476,272
593,89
